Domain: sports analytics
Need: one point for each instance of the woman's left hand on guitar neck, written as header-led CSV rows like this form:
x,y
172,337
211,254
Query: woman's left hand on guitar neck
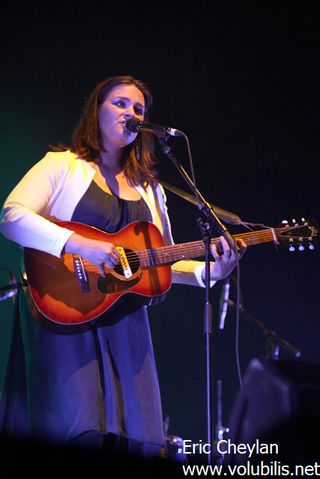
x,y
225,259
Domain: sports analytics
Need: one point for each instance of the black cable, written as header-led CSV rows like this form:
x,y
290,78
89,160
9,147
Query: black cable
x,y
238,294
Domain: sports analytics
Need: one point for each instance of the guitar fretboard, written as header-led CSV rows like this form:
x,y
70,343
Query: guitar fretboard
x,y
195,249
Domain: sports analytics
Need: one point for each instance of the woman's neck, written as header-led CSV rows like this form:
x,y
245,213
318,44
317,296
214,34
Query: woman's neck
x,y
110,161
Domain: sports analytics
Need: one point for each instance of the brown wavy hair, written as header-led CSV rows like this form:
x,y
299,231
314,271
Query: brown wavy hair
x,y
138,160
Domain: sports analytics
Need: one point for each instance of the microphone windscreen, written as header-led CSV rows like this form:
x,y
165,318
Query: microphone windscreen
x,y
133,125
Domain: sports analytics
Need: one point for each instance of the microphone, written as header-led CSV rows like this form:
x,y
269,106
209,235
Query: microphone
x,y
134,125
224,299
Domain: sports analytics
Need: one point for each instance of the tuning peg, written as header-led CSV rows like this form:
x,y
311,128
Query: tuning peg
x,y
311,247
301,247
284,222
292,248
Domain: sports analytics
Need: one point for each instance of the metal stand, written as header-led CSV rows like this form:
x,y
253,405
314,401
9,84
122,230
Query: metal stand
x,y
210,226
274,343
9,290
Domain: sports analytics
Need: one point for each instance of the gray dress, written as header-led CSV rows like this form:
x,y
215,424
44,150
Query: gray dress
x,y
67,387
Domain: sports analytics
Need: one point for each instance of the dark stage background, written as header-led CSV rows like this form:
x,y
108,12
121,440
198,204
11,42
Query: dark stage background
x,y
242,80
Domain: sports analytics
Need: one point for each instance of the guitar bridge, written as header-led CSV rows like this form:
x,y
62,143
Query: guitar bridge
x,y
124,263
80,273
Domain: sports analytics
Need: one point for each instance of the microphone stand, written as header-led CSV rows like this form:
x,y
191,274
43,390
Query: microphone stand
x,y
11,289
209,227
274,343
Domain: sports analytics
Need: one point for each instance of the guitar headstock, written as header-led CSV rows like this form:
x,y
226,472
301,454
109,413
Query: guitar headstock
x,y
298,234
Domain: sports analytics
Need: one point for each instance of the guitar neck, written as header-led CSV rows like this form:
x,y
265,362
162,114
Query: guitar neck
x,y
195,249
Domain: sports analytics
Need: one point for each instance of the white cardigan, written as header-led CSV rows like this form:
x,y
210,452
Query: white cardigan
x,y
50,191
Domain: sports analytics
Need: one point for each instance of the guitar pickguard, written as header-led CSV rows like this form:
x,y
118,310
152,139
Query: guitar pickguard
x,y
116,280
114,284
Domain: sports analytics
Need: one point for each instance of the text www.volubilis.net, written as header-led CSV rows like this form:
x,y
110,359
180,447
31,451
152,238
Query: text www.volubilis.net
x,y
262,469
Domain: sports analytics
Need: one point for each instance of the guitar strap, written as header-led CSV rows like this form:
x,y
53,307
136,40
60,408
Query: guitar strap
x,y
225,215
177,191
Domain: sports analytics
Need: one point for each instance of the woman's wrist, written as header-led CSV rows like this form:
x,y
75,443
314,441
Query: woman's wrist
x,y
74,244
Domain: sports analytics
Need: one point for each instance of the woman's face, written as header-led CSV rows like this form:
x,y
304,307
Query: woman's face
x,y
122,103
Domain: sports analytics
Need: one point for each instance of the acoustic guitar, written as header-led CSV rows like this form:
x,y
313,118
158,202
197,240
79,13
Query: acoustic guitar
x,y
69,290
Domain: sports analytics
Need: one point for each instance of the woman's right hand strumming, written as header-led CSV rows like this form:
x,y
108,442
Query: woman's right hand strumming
x,y
98,253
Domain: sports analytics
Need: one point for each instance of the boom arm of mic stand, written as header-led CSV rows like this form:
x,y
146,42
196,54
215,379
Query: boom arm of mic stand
x,y
273,342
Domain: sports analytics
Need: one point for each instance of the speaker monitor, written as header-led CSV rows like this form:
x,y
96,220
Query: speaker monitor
x,y
279,402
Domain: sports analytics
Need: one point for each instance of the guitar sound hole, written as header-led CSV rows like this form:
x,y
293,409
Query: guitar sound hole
x,y
112,284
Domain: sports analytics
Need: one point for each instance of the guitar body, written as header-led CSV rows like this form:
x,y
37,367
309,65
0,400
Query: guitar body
x,y
71,291
68,290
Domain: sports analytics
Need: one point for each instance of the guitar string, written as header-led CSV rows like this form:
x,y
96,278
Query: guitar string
x,y
182,249
145,257
262,236
174,251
